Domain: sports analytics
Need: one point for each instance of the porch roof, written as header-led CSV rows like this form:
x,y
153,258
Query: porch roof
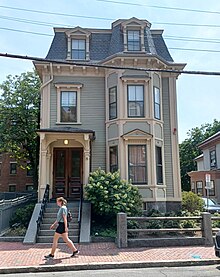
x,y
67,130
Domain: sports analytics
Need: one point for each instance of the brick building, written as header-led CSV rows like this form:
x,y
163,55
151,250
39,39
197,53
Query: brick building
x,y
207,163
12,177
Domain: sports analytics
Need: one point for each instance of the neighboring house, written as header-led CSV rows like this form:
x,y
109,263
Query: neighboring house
x,y
123,119
12,177
207,163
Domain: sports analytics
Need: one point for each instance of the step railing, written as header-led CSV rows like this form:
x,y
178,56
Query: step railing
x,y
80,209
44,202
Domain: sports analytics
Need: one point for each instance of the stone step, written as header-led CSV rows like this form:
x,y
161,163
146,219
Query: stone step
x,y
50,220
46,239
50,233
70,205
55,210
54,215
71,226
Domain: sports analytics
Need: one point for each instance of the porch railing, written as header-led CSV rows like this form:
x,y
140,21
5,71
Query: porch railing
x,y
44,202
80,207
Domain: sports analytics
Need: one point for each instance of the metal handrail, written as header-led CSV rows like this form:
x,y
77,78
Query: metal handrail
x,y
44,202
80,207
15,201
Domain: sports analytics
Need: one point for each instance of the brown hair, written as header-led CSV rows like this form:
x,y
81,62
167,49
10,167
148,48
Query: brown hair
x,y
63,200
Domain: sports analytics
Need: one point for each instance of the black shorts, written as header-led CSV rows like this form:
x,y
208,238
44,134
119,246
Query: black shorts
x,y
60,228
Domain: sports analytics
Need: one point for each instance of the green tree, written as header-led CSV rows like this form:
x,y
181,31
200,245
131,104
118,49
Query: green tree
x,y
189,149
191,202
19,119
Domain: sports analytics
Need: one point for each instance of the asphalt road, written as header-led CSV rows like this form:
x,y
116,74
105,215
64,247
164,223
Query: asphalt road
x,y
198,271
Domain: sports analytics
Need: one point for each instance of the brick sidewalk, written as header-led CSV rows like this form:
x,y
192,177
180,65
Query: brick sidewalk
x,y
19,255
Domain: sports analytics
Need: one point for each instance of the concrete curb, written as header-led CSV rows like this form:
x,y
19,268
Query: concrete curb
x,y
101,266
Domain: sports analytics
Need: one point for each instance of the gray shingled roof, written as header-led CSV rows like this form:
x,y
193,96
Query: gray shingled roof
x,y
103,45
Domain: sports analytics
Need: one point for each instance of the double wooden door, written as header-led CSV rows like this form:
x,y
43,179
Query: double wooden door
x,y
67,173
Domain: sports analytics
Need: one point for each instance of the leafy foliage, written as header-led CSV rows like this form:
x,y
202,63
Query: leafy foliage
x,y
189,149
110,195
19,119
22,215
191,202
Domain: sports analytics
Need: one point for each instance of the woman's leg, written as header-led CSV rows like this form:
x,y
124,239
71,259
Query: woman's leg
x,y
69,242
55,242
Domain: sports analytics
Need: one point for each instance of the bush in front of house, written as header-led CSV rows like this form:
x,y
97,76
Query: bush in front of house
x,y
22,216
191,202
109,194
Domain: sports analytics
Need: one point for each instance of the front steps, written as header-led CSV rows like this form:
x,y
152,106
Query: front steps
x,y
45,235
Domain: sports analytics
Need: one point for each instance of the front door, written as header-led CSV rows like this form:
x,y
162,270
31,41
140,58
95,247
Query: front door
x,y
67,173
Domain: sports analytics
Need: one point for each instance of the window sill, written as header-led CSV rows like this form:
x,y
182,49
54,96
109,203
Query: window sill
x,y
68,123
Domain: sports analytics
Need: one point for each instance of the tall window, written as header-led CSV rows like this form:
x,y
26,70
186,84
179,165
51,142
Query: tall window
x,y
135,101
68,106
12,188
113,153
199,187
159,165
13,168
213,159
78,49
137,165
134,41
157,112
113,103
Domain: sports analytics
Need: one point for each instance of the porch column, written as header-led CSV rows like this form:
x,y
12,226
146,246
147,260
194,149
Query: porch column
x,y
86,158
42,175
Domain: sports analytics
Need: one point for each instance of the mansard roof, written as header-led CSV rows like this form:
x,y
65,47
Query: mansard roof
x,y
104,43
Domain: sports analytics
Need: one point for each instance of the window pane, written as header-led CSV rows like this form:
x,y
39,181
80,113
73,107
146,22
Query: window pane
x,y
113,153
78,49
112,111
159,165
199,187
68,106
157,111
135,101
133,40
139,93
112,95
156,95
131,93
212,159
137,163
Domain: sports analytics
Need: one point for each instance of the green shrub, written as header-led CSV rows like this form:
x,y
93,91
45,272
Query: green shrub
x,y
110,195
22,215
192,202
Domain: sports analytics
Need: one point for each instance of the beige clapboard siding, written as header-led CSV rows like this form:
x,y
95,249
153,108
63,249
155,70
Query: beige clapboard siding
x,y
167,138
92,112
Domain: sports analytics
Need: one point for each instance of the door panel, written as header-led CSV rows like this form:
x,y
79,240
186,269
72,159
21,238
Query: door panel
x,y
67,172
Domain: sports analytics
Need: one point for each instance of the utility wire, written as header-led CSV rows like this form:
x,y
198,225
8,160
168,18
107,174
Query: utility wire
x,y
97,65
26,32
105,18
159,7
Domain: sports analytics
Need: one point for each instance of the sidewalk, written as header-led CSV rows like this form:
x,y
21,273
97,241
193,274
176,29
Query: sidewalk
x,y
16,257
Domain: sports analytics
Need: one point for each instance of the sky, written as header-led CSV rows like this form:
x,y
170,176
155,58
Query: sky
x,y
197,96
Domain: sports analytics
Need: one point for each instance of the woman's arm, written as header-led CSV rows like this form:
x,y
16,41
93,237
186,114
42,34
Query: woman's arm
x,y
65,223
52,226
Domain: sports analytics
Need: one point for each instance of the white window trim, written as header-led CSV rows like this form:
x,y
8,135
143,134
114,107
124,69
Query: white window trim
x,y
134,28
74,35
67,87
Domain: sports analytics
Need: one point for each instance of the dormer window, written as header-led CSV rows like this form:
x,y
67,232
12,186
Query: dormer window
x,y
77,44
78,49
133,40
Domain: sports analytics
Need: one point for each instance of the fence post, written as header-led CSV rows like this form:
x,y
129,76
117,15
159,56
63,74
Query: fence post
x,y
207,228
122,234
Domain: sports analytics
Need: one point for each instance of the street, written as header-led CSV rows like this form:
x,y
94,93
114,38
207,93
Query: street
x,y
159,272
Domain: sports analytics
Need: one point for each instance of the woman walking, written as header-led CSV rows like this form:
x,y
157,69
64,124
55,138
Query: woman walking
x,y
62,229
